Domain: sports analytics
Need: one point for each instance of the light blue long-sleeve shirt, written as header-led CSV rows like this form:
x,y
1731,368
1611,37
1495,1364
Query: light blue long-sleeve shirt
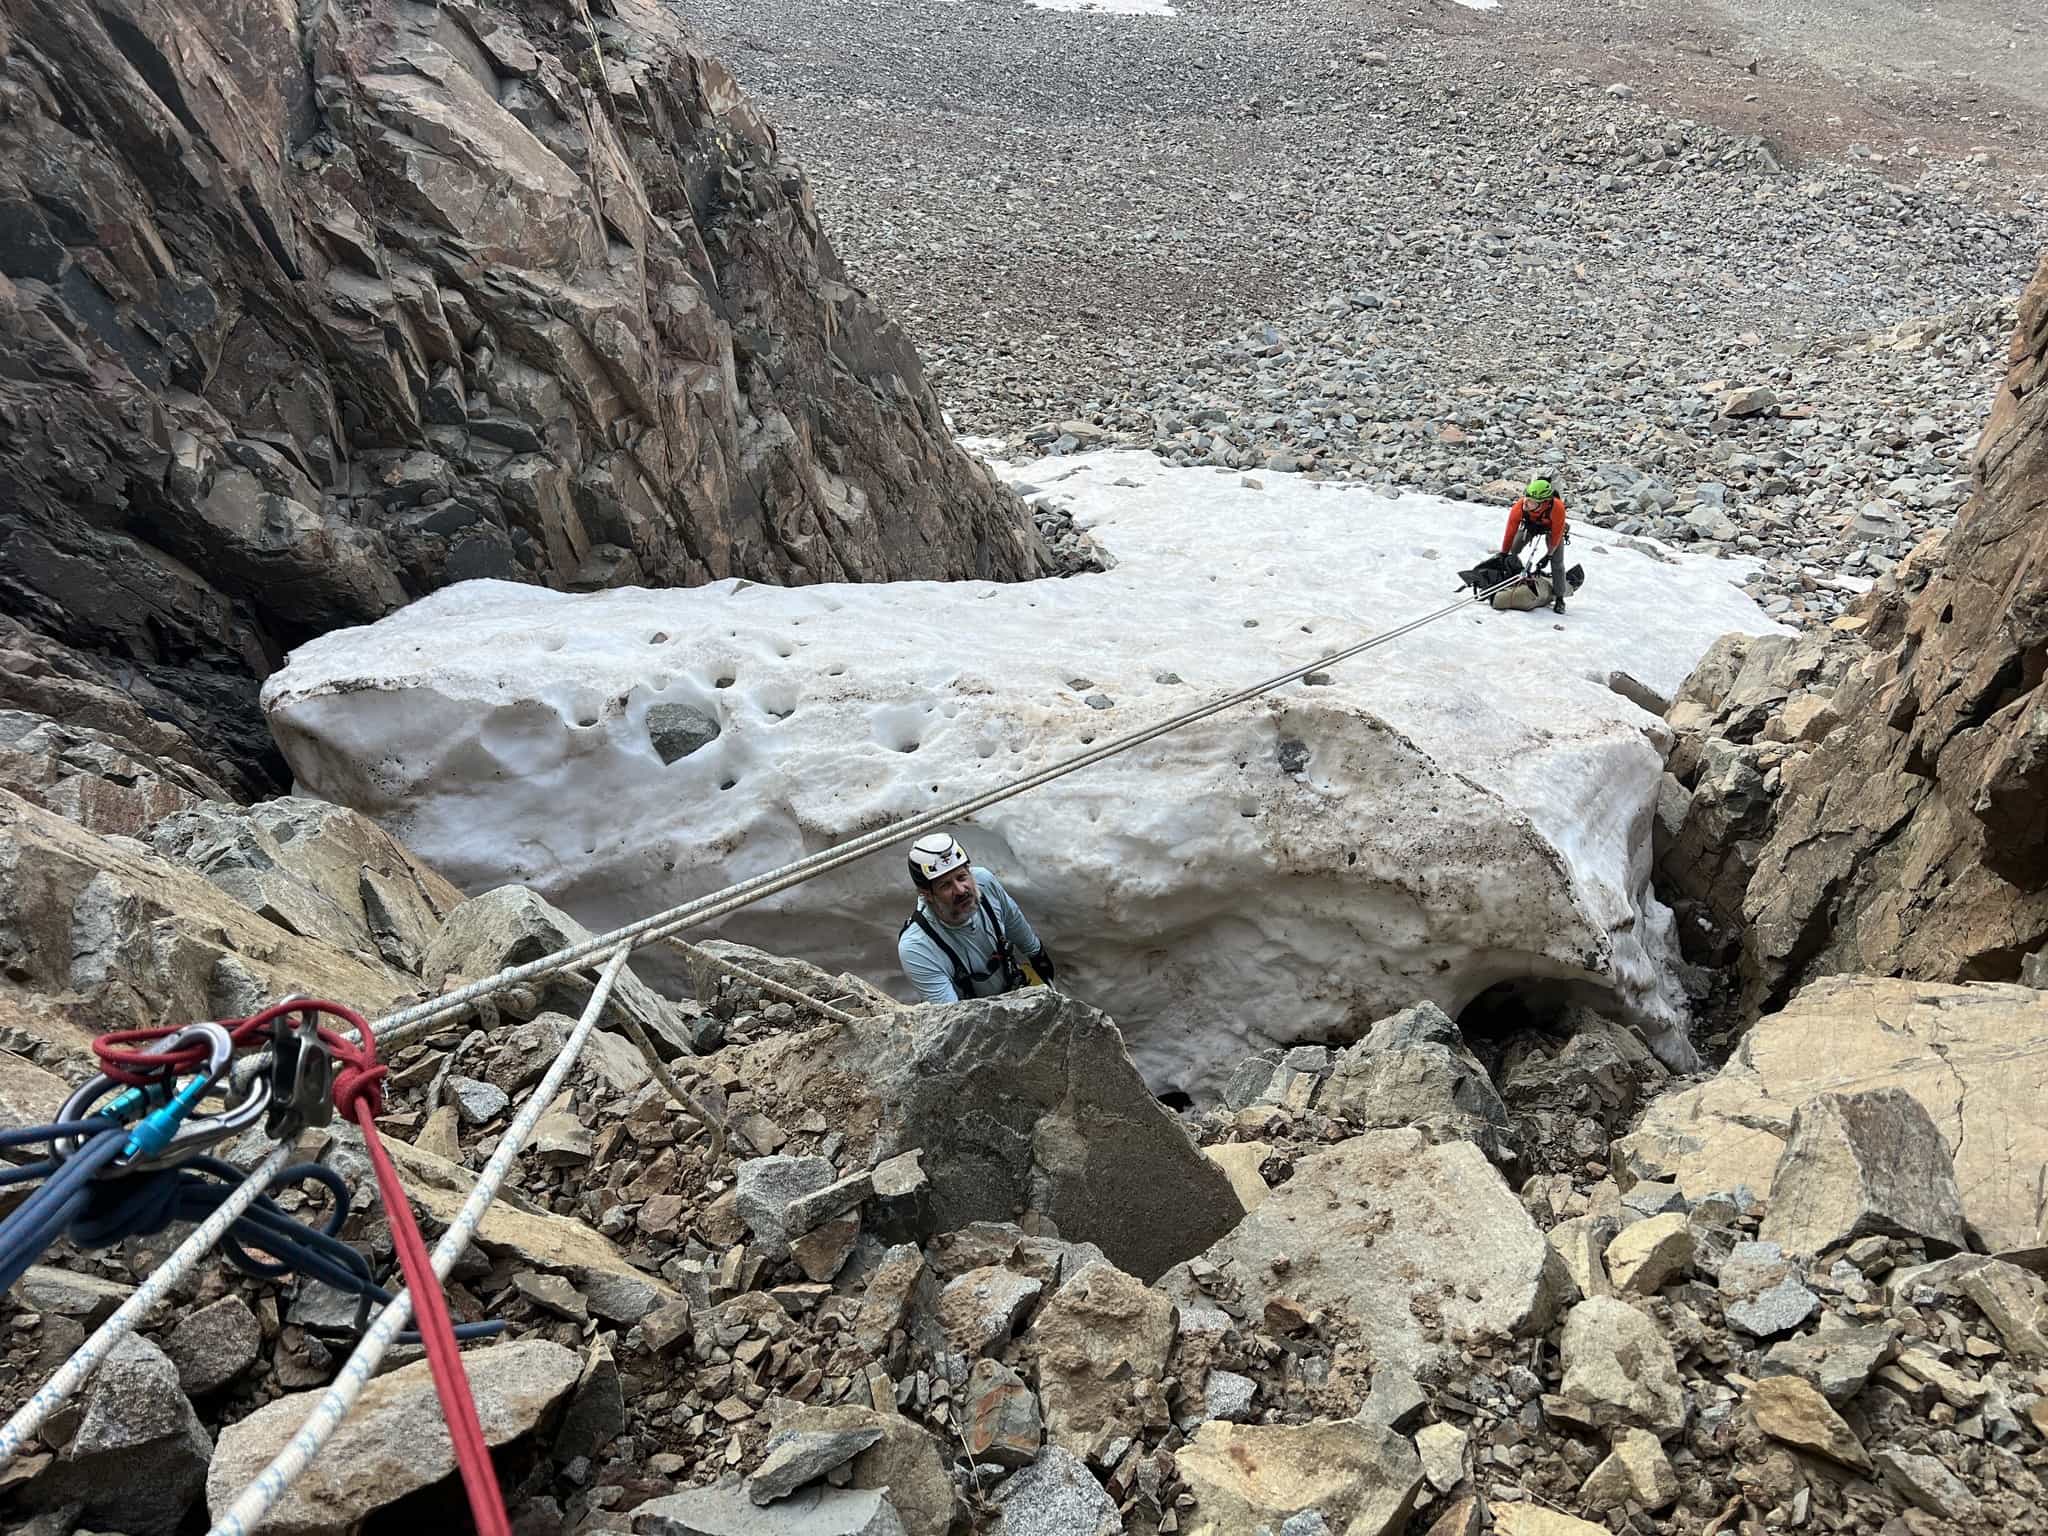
x,y
974,941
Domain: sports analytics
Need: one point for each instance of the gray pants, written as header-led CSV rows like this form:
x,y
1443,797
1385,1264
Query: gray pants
x,y
1524,537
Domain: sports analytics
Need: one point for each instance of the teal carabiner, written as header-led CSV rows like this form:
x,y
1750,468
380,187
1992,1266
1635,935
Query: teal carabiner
x,y
160,1126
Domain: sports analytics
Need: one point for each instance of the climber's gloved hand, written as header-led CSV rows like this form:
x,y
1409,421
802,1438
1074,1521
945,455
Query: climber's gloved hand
x,y
1042,963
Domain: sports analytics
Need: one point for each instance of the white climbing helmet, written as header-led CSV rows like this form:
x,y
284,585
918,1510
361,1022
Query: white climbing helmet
x,y
933,855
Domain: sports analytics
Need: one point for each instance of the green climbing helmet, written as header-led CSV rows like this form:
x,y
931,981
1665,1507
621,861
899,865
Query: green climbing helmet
x,y
1539,490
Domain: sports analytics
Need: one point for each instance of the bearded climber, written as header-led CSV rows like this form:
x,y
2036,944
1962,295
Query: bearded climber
x,y
967,938
1539,513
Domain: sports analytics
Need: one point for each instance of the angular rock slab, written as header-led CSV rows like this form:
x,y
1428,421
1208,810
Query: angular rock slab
x,y
1619,1370
1976,1058
1382,1223
1102,1333
1362,1478
314,869
727,1511
511,925
1414,1070
1790,1409
1535,1520
906,1462
1861,1165
614,1289
1021,1103
139,1457
394,1442
103,934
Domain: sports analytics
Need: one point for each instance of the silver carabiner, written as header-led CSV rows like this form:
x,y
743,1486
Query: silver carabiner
x,y
201,1132
220,1050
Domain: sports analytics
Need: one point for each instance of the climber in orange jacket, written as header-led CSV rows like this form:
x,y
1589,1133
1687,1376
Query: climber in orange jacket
x,y
1539,513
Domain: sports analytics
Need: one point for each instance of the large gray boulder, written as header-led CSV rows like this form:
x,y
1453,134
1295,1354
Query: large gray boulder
x,y
1858,1164
1414,1069
1026,1105
139,1457
393,1443
1384,1229
1976,1058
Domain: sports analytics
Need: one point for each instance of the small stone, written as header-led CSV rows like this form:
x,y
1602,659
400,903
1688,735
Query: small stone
x,y
1396,1399
677,730
553,1294
1240,1162
1535,1520
1003,1422
1752,401
442,1134
1228,1395
1619,1370
1776,1311
1582,1243
1244,1476
478,1102
1637,1470
213,1346
981,1309
766,1187
1788,1409
822,1252
1442,1447
85,1299
1056,1496
727,1510
806,1212
1648,1197
1927,1484
886,1305
597,1407
1647,1255
1837,1362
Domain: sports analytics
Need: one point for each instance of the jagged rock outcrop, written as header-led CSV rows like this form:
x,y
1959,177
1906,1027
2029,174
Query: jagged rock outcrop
x,y
312,309
1976,1058
1879,802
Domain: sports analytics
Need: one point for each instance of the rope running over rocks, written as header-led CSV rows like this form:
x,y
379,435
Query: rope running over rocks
x,y
411,1023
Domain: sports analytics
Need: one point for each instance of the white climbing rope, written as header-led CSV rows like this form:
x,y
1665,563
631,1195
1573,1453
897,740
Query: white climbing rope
x,y
754,979
410,1023
20,1430
270,1485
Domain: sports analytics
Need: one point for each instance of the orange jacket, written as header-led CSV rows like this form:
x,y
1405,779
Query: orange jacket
x,y
1521,511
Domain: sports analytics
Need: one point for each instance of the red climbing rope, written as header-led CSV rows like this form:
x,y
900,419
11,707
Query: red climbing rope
x,y
359,1096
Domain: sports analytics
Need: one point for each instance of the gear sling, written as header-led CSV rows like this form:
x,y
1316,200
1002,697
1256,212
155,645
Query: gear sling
x,y
1015,972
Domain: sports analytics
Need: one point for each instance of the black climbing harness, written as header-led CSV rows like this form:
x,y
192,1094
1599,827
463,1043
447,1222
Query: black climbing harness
x,y
1002,963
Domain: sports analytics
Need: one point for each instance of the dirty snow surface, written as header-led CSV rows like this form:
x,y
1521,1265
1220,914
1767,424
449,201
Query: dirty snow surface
x,y
1467,805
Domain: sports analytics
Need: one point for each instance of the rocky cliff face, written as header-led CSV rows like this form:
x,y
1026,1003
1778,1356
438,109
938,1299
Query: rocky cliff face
x,y
1879,798
308,310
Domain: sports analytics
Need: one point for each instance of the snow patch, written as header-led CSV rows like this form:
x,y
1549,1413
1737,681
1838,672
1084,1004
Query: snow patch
x,y
1467,805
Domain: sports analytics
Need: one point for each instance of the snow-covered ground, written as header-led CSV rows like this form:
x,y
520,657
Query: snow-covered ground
x,y
1466,805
